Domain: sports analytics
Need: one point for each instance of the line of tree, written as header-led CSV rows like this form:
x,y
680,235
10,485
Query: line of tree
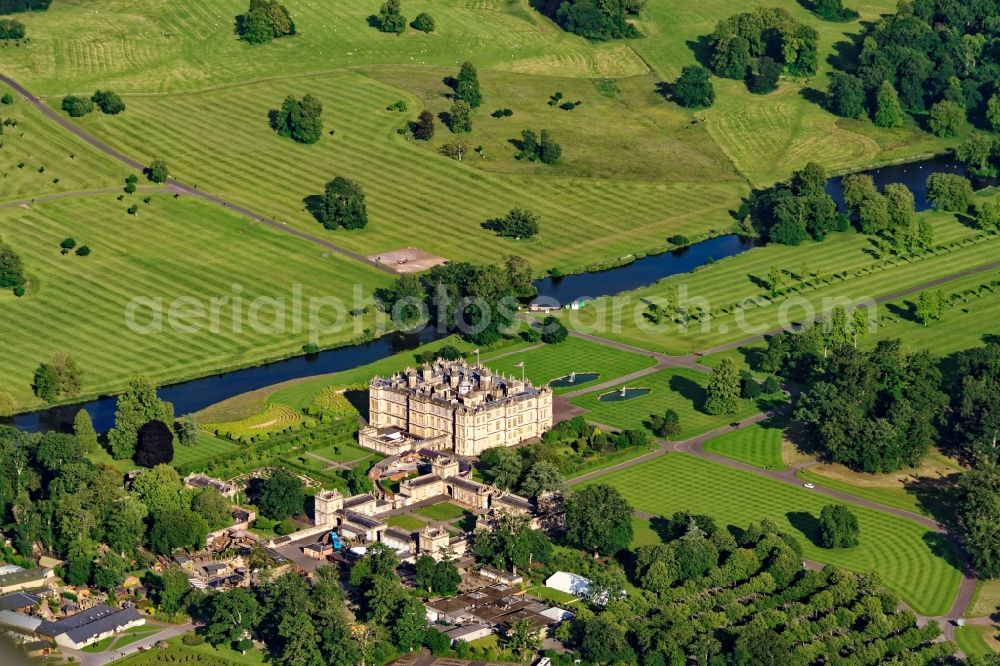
x,y
935,57
298,119
794,211
756,46
264,21
597,20
12,29
17,6
479,302
890,214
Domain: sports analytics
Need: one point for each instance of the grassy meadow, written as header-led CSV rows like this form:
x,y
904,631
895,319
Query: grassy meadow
x,y
173,248
547,362
757,444
843,269
917,564
680,389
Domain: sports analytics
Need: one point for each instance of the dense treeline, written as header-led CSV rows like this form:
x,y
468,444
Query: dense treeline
x,y
478,302
789,213
936,55
740,596
593,19
758,45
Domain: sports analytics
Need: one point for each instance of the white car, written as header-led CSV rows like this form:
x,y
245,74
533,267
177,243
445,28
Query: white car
x,y
810,486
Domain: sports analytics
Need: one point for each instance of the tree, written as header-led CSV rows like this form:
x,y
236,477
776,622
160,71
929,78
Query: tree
x,y
79,562
281,495
553,330
137,405
765,80
67,244
343,205
604,643
467,85
978,498
950,192
846,95
456,150
300,120
232,617
976,153
549,152
594,20
928,306
993,112
888,113
11,269
666,426
723,392
46,383
946,118
177,528
155,444
517,223
542,477
424,576
160,489
171,589
446,578
501,466
423,129
520,638
731,57
69,373
598,518
125,524
424,22
187,431
460,117
833,10
409,624
693,88
158,171
77,107
775,280
263,22
108,102
110,571
838,527
390,18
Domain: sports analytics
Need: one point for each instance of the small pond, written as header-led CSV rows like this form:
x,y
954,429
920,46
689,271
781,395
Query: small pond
x,y
574,379
624,394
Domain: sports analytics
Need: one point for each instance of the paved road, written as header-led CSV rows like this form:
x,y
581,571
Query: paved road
x,y
179,187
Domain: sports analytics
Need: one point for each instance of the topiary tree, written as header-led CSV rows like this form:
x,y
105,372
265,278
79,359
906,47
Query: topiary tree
x,y
693,89
158,171
838,527
424,22
343,205
155,444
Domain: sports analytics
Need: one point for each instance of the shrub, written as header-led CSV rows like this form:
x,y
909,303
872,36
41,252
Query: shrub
x,y
7,99
398,105
679,240
67,245
502,113
77,107
192,638
424,22
531,334
83,251
108,102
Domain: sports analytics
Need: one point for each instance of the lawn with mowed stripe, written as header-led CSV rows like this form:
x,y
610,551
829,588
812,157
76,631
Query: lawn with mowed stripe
x,y
220,141
37,157
172,249
839,271
916,563
547,362
757,444
679,389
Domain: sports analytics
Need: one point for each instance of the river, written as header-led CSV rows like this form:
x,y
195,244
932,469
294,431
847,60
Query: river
x,y
196,394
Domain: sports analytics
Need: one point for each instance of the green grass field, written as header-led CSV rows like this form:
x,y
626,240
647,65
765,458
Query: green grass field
x,y
986,600
173,249
343,451
758,444
679,389
581,215
405,522
38,158
972,640
917,564
205,449
548,362
442,511
740,304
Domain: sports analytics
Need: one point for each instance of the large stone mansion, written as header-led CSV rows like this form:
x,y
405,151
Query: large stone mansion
x,y
453,406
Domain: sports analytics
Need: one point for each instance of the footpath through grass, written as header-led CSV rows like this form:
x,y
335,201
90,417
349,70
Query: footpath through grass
x,y
918,564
